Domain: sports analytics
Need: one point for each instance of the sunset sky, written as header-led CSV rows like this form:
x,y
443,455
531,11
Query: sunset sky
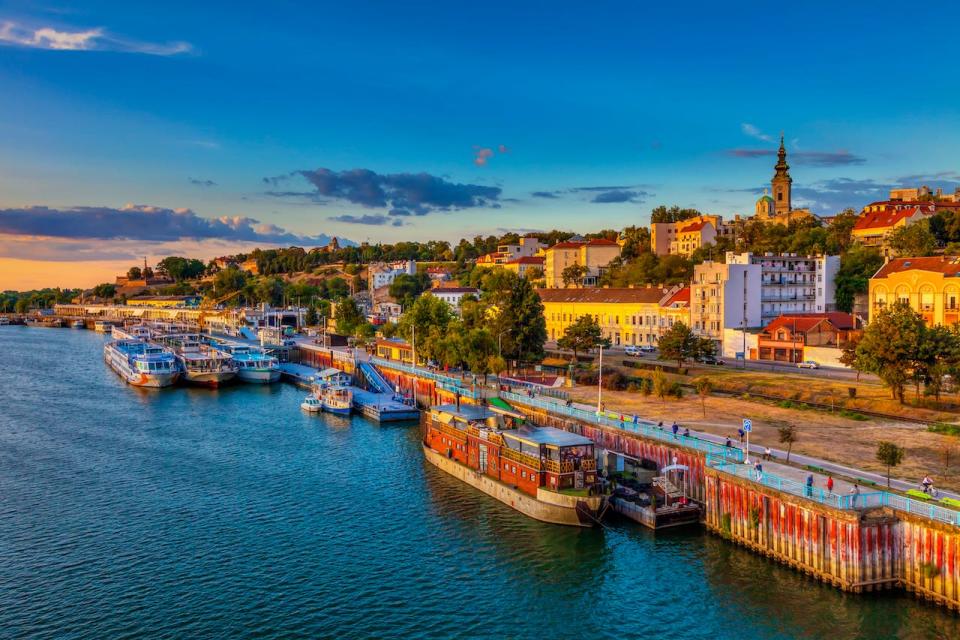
x,y
207,128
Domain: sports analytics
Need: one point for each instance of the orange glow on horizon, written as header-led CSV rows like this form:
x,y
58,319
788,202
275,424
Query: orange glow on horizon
x,y
23,275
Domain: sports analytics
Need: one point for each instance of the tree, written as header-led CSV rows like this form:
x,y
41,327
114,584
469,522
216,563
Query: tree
x,y
134,273
229,280
269,290
181,268
889,455
426,322
857,266
659,381
573,275
678,343
582,335
673,214
913,240
105,291
891,346
704,386
405,288
515,314
348,316
312,318
788,435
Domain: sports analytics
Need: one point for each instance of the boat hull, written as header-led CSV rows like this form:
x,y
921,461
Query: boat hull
x,y
554,513
209,378
340,411
259,376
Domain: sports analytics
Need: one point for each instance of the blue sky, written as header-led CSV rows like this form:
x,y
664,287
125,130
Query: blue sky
x,y
387,120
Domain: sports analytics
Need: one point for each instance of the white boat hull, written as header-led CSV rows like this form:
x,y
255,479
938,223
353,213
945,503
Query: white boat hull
x,y
209,378
258,376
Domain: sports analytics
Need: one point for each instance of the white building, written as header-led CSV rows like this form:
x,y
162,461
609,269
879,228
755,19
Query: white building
x,y
724,296
791,283
383,274
454,295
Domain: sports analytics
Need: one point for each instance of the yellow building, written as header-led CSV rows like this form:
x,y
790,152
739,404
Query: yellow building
x,y
931,286
685,236
164,302
522,265
595,255
636,316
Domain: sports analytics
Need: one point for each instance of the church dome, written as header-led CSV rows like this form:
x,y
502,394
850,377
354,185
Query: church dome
x,y
765,198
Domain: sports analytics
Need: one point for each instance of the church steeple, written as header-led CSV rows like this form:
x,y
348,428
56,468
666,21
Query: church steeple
x,y
782,181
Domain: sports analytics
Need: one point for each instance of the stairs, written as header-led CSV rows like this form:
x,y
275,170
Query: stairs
x,y
667,487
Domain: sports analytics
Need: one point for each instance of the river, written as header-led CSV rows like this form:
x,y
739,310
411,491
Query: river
x,y
196,513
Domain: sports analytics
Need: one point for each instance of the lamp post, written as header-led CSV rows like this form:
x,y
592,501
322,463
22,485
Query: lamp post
x,y
600,382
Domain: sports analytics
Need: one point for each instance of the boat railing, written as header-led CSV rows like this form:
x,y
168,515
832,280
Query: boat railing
x,y
522,458
641,427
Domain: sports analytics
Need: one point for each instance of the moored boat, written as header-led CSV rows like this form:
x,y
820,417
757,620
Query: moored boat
x,y
311,404
102,326
337,399
201,363
545,473
254,365
4,321
78,324
142,364
47,323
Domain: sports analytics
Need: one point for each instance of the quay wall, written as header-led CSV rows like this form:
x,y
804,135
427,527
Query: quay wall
x,y
857,550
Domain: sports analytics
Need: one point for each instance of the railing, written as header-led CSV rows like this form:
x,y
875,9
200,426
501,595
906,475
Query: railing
x,y
447,383
856,501
643,428
522,458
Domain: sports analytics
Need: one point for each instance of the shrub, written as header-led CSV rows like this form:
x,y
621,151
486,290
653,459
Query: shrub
x,y
675,390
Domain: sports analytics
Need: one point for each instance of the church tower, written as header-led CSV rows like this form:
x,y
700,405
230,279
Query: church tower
x,y
781,182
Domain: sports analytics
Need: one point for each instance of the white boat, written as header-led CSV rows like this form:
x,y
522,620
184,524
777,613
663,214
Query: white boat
x,y
40,321
4,321
253,364
312,404
78,324
102,326
201,363
337,399
141,363
132,332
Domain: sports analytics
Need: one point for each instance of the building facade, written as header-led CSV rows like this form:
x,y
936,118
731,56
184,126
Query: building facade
x,y
931,286
383,274
594,255
527,247
630,316
686,236
454,295
724,296
521,266
791,283
790,338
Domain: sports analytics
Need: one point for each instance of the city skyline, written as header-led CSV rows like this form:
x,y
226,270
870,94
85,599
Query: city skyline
x,y
202,132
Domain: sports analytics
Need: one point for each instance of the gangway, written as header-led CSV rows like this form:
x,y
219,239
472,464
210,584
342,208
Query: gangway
x,y
375,380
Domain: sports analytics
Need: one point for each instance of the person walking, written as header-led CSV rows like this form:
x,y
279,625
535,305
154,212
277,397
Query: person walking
x,y
854,494
686,432
810,485
727,444
767,453
741,434
676,428
830,485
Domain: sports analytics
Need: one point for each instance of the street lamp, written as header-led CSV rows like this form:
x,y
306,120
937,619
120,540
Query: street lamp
x,y
600,382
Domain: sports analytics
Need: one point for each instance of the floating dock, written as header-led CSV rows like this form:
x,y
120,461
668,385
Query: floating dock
x,y
382,407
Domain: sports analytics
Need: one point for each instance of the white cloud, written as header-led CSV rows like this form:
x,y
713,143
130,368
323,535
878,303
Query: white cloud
x,y
754,132
13,34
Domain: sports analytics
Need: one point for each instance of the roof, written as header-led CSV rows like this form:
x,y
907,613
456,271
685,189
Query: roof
x,y
546,435
681,297
695,226
527,260
765,196
947,265
576,244
807,321
883,219
595,296
602,242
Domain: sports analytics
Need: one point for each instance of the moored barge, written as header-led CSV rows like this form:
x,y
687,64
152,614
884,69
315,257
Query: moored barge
x,y
545,473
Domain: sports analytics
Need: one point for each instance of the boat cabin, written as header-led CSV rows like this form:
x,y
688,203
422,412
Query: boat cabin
x,y
496,442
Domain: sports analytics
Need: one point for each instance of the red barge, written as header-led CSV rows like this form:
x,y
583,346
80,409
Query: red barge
x,y
546,473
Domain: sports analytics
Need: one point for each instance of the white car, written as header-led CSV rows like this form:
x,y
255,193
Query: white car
x,y
632,350
808,364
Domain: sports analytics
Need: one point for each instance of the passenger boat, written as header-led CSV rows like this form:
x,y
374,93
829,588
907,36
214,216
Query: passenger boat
x,y
311,404
47,323
141,363
545,473
337,399
78,324
131,332
201,363
4,321
253,364
102,326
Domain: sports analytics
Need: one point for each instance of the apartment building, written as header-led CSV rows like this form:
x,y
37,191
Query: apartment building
x,y
724,296
792,283
931,286
383,274
528,246
595,255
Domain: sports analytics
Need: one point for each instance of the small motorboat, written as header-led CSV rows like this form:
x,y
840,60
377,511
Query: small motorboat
x,y
311,404
337,399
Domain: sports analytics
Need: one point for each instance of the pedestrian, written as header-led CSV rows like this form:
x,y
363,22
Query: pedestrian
x,y
756,469
741,434
759,472
686,432
603,407
675,428
767,453
830,485
810,485
854,493
727,444
660,425
926,483
636,420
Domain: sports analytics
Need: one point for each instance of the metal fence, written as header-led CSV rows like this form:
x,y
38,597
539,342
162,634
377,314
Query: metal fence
x,y
448,383
850,501
643,428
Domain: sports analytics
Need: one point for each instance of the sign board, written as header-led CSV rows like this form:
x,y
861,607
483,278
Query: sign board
x,y
747,425
739,355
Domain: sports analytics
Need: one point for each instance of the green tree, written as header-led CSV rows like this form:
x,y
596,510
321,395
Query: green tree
x,y
180,268
573,275
857,266
405,288
425,323
673,214
787,435
678,343
312,318
913,240
229,280
889,454
269,290
515,314
348,317
891,346
105,291
134,273
704,386
659,382
583,335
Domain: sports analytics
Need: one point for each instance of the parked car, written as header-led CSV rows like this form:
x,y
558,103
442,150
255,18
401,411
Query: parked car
x,y
808,364
648,348
632,350
709,360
